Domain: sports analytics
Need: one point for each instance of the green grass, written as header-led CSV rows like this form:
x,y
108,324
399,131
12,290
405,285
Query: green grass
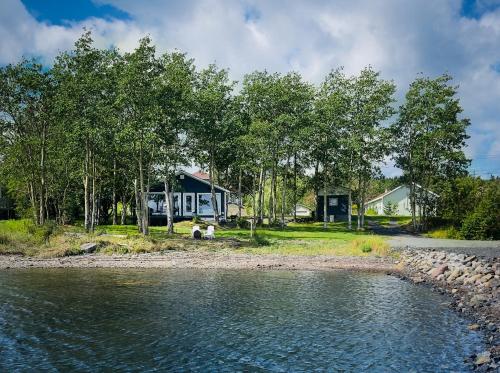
x,y
444,232
18,236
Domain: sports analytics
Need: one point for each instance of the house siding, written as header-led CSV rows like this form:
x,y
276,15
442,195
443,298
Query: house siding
x,y
400,196
194,187
339,212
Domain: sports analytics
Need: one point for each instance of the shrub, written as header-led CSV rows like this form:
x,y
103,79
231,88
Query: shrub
x,y
197,219
366,247
371,211
261,241
390,208
242,223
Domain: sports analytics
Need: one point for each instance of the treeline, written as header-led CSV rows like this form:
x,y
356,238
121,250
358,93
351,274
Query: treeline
x,y
98,127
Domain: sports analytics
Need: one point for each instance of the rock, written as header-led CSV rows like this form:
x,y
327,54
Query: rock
x,y
473,279
473,327
89,247
469,259
440,277
417,279
438,270
454,275
483,358
485,278
477,299
453,291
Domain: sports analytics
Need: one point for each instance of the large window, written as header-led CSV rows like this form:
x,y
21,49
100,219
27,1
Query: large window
x,y
205,203
333,201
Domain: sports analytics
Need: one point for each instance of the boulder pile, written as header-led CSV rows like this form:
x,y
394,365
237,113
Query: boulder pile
x,y
474,285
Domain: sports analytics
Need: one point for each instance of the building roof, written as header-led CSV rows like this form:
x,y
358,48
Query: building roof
x,y
206,181
201,175
380,196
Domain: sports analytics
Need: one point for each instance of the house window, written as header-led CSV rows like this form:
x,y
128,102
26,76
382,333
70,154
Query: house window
x,y
189,203
333,201
205,203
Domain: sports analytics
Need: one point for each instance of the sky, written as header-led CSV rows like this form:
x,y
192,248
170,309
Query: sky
x,y
399,38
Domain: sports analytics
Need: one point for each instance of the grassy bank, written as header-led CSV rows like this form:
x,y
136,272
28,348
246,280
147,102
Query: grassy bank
x,y
21,237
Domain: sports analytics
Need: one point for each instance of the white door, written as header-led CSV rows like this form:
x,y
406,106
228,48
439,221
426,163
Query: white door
x,y
188,204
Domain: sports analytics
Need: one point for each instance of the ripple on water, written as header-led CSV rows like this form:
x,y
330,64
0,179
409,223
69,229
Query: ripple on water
x,y
69,319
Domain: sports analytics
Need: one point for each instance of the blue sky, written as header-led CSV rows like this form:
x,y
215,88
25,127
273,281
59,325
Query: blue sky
x,y
401,38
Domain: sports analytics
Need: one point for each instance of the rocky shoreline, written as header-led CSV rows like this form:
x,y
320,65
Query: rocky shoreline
x,y
203,260
474,286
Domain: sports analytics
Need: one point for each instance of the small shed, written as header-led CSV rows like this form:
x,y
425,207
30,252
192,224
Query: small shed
x,y
337,207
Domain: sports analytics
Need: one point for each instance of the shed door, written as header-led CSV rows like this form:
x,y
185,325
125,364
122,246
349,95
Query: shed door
x,y
188,204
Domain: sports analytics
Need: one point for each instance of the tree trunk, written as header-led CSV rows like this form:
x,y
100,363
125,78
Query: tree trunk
x,y
325,201
239,193
142,196
169,207
138,206
295,187
42,179
261,195
114,199
316,191
94,197
33,203
283,194
359,204
86,191
212,188
124,210
349,210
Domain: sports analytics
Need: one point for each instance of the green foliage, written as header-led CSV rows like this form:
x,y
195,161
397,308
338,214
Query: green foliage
x,y
484,222
429,137
390,208
366,247
197,220
242,223
371,212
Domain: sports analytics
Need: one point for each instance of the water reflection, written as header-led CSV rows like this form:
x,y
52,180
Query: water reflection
x,y
139,320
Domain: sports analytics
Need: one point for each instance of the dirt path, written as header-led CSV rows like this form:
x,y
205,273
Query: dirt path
x,y
201,260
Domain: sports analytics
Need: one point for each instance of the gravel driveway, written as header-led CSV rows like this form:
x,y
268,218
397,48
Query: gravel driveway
x,y
488,249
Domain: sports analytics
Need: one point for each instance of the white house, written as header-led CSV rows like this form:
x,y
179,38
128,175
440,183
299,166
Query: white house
x,y
399,196
302,210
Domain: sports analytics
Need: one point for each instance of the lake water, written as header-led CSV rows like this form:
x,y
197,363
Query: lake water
x,y
201,320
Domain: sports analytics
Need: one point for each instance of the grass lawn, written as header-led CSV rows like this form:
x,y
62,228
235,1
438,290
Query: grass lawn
x,y
19,236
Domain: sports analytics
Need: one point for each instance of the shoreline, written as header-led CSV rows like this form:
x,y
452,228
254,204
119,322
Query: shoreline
x,y
203,260
473,285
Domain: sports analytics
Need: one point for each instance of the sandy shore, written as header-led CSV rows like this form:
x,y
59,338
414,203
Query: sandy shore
x,y
206,260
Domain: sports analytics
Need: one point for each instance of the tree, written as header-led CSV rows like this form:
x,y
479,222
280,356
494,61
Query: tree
x,y
139,114
367,137
211,127
175,86
429,138
25,107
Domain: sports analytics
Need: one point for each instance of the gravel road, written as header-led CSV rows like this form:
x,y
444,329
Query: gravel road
x,y
487,249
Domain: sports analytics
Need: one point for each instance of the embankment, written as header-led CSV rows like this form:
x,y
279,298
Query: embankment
x,y
474,285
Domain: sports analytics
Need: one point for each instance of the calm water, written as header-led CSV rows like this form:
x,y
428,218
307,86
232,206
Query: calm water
x,y
194,320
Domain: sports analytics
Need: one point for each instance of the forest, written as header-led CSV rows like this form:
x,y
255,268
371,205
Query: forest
x,y
84,138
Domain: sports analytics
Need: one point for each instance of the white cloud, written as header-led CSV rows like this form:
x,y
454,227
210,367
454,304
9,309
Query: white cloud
x,y
399,38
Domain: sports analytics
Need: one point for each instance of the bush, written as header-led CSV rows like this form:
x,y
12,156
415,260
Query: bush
x,y
484,222
366,247
390,208
242,223
371,211
197,219
261,241
479,226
